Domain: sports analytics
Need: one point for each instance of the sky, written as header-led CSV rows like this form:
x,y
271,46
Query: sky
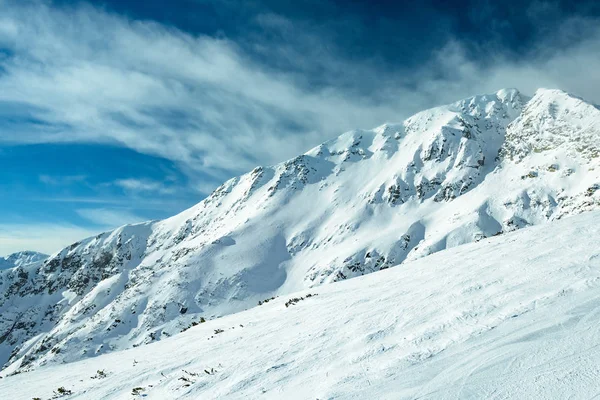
x,y
121,111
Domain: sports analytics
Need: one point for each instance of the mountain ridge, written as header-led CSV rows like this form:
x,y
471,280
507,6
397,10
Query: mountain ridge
x,y
21,258
365,201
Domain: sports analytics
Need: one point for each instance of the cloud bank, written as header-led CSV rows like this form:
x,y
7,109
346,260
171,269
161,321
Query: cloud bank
x,y
85,75
45,238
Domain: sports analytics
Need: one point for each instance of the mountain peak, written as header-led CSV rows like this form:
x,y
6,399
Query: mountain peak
x,y
508,93
365,201
556,123
552,92
561,99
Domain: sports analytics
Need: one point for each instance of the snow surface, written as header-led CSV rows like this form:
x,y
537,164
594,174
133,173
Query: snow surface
x,y
365,201
514,316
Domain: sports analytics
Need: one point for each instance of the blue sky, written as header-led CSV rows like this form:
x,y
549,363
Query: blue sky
x,y
120,111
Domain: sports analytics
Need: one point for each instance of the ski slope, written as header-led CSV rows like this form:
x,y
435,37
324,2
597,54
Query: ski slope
x,y
512,316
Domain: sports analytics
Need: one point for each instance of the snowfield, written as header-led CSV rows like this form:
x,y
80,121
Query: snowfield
x,y
512,316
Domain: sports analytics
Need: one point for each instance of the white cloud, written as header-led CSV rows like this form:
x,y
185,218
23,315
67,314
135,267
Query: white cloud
x,y
575,69
61,180
51,237
109,218
97,77
143,185
45,238
91,76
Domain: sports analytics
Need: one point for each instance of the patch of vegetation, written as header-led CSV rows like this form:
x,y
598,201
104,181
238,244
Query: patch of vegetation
x,y
531,174
194,323
100,374
188,378
62,392
137,391
592,189
295,300
260,303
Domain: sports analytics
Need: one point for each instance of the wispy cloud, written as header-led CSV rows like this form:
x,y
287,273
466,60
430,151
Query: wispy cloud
x,y
84,75
167,204
144,185
61,180
45,238
109,218
51,237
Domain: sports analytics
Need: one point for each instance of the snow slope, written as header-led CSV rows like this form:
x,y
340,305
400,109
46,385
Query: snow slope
x,y
514,316
21,259
363,202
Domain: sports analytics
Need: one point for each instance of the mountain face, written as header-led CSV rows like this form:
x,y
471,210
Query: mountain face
x,y
21,259
366,201
511,317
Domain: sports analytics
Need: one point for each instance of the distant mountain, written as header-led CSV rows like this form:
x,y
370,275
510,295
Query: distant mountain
x,y
21,259
366,201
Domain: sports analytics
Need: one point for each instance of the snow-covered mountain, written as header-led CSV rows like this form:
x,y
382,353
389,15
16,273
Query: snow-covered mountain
x,y
21,259
363,202
510,317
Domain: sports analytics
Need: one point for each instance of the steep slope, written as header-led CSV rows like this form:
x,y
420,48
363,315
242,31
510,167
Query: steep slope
x,y
21,258
360,203
514,316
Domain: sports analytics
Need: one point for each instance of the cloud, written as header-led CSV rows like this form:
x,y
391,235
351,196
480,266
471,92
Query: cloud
x,y
82,74
575,69
45,238
143,185
61,180
109,218
150,204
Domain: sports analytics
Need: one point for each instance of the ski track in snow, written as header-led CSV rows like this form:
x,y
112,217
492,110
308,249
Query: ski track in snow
x,y
514,316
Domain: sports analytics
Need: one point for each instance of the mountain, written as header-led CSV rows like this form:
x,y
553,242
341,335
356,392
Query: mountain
x,y
21,258
366,201
513,316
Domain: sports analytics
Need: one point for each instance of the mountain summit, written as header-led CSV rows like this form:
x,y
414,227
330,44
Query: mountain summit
x,y
365,201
